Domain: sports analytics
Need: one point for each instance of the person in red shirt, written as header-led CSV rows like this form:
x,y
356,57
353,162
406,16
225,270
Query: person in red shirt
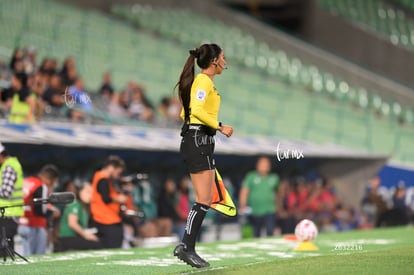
x,y
292,204
32,226
183,206
106,203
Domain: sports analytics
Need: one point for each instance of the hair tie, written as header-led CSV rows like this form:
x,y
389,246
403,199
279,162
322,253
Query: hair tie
x,y
195,52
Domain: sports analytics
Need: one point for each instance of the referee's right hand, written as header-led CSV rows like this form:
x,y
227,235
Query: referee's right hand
x,y
226,130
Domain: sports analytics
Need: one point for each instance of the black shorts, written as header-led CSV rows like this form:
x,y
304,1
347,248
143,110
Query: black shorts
x,y
110,235
77,243
197,148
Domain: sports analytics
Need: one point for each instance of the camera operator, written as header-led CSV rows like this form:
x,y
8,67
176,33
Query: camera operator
x,y
11,192
106,203
131,216
136,224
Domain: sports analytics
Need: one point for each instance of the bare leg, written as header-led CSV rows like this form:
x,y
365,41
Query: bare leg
x,y
203,183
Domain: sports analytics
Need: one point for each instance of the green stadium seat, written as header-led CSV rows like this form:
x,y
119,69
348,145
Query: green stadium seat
x,y
378,16
265,92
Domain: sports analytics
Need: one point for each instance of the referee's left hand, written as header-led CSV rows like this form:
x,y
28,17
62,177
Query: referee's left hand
x,y
226,130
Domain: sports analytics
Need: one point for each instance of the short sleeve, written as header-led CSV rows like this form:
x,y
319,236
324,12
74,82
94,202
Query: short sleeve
x,y
247,182
73,208
275,180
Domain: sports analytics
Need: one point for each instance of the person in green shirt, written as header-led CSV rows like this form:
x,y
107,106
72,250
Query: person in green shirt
x,y
258,197
73,233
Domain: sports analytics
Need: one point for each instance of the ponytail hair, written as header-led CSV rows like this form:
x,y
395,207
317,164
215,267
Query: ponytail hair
x,y
184,85
205,55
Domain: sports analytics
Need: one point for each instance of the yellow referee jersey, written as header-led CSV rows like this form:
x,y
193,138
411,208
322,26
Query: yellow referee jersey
x,y
204,102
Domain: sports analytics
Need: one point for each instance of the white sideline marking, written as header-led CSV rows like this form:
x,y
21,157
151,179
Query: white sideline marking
x,y
259,249
78,255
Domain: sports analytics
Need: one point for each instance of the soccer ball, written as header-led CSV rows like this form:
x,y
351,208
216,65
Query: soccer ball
x,y
306,230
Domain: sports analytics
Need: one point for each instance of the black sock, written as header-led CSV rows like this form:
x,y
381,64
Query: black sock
x,y
194,220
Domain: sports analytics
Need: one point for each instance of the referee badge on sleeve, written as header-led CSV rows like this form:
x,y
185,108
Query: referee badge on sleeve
x,y
201,95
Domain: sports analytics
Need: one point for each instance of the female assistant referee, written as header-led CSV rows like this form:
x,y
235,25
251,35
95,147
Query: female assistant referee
x,y
201,103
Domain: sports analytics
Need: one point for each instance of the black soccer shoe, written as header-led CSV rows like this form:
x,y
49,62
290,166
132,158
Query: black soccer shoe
x,y
189,257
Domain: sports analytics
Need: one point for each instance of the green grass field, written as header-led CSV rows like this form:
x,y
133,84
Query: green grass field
x,y
381,251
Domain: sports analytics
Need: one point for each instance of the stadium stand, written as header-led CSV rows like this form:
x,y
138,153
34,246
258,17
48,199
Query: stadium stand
x,y
405,3
353,115
244,49
299,101
378,16
97,43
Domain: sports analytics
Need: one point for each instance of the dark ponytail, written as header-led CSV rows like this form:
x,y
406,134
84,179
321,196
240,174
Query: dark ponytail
x,y
205,54
184,85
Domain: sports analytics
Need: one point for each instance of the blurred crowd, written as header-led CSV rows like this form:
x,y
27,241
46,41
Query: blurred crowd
x,y
118,210
113,210
267,204
146,211
30,90
316,199
313,197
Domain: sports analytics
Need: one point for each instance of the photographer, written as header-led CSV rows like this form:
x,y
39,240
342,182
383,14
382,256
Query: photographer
x,y
106,203
136,224
73,225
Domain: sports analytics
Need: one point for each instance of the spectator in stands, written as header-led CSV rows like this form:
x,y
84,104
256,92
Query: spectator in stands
x,y
54,93
5,94
29,61
106,203
169,109
106,90
68,72
116,106
32,226
38,87
78,98
48,67
19,67
139,106
259,192
167,208
22,101
11,193
17,56
74,234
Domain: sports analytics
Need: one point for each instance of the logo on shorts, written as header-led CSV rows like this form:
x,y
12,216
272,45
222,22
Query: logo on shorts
x,y
201,139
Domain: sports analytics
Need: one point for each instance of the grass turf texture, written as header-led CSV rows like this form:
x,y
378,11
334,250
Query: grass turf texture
x,y
381,251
